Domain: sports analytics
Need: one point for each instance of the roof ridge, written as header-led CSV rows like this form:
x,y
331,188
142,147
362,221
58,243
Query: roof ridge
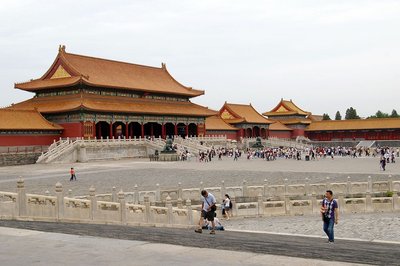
x,y
114,61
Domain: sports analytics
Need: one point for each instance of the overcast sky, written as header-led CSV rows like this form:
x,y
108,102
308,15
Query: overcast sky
x,y
325,55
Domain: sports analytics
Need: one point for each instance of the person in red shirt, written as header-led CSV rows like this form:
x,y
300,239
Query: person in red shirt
x,y
73,176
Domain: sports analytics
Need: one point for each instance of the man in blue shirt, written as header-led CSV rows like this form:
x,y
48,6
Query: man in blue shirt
x,y
208,209
329,213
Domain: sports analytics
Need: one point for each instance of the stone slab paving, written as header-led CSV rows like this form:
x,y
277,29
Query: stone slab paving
x,y
63,249
124,174
228,248
365,226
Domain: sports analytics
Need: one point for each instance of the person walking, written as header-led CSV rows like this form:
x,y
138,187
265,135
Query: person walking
x,y
208,209
329,214
73,176
227,206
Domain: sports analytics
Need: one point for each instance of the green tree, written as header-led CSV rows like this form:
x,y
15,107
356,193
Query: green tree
x,y
351,113
394,114
381,114
326,117
338,116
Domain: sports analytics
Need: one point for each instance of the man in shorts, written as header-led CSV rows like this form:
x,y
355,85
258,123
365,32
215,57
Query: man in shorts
x,y
208,209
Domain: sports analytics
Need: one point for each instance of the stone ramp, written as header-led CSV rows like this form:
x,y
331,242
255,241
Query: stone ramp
x,y
350,251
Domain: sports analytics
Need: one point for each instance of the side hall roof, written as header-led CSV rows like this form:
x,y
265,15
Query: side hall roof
x,y
286,108
242,113
215,122
12,119
355,124
116,104
278,126
69,69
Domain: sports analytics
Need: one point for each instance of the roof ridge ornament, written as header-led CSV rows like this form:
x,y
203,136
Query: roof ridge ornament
x,y
61,48
163,65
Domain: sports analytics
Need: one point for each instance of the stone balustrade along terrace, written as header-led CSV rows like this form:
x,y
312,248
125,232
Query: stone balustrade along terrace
x,y
173,207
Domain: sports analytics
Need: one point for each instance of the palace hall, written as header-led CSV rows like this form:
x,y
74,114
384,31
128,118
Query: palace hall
x,y
91,97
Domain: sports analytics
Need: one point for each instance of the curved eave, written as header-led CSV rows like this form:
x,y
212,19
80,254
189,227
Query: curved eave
x,y
38,84
194,94
278,113
84,107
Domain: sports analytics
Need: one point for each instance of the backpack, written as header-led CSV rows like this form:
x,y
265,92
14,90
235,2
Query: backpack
x,y
230,204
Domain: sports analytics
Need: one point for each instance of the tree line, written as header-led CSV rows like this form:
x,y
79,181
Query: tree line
x,y
351,113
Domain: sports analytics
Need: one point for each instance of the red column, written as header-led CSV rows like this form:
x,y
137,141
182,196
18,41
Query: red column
x,y
259,132
176,129
126,130
94,129
111,130
187,130
163,131
197,130
142,129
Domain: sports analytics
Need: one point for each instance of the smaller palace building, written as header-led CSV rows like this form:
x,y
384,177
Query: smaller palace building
x,y
245,118
313,127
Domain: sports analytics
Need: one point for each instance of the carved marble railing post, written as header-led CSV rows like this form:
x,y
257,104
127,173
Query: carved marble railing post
x,y
136,195
21,197
223,189
168,204
368,202
70,193
341,202
179,204
147,208
234,206
287,204
244,189
60,201
201,186
348,186
314,203
328,183
179,190
189,211
260,205
114,194
370,188
285,187
390,182
93,202
395,199
158,193
122,202
307,187
266,188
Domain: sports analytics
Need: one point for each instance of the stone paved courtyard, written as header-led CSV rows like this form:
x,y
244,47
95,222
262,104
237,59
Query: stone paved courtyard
x,y
124,174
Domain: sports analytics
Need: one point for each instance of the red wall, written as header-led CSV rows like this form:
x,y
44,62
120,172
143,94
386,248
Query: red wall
x,y
28,140
283,134
297,132
229,134
72,130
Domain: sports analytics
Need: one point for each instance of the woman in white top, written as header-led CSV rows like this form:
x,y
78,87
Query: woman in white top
x,y
227,206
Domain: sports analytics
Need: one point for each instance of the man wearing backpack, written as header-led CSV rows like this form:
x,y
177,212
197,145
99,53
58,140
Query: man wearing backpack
x,y
329,213
208,209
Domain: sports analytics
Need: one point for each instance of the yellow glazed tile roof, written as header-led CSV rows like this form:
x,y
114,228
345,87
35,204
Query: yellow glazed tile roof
x,y
12,119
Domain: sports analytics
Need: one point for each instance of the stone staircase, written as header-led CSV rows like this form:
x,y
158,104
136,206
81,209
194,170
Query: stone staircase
x,y
366,144
279,142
